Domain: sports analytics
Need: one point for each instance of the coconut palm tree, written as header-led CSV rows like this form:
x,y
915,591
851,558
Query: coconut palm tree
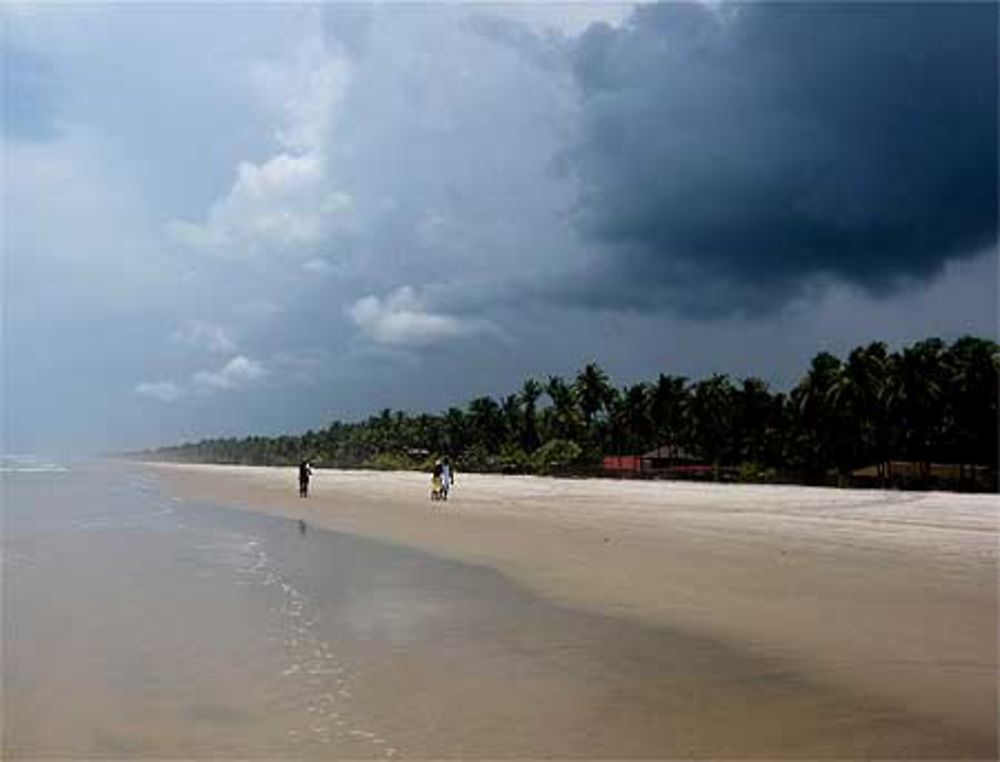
x,y
863,395
639,432
530,392
668,401
487,424
565,418
712,404
593,391
456,431
973,368
921,381
510,408
754,419
820,436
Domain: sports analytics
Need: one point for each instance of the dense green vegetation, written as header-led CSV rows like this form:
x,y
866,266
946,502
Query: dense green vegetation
x,y
928,403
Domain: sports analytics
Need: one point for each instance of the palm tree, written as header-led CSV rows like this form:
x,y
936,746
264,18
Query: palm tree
x,y
638,422
428,433
712,404
921,381
973,367
565,415
668,403
819,432
530,392
593,390
754,411
863,394
510,409
487,424
456,431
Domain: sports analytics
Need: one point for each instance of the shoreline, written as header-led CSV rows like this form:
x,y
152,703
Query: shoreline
x,y
889,595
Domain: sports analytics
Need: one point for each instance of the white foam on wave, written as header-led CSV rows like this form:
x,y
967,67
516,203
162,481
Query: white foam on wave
x,y
30,464
34,469
311,669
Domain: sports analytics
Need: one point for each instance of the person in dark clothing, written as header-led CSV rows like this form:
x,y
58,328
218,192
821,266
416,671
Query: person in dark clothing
x,y
305,471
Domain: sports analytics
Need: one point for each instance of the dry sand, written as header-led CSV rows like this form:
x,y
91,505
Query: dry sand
x,y
888,596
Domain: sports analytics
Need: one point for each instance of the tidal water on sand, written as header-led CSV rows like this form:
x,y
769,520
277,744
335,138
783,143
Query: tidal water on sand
x,y
136,624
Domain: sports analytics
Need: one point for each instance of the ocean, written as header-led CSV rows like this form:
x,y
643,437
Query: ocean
x,y
136,624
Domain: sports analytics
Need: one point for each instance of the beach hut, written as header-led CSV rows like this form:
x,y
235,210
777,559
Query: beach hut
x,y
667,456
622,465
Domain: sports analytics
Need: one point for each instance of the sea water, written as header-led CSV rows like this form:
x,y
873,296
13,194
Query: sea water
x,y
134,623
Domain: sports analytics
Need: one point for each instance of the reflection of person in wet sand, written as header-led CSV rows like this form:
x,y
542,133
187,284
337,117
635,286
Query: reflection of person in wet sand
x,y
302,527
305,471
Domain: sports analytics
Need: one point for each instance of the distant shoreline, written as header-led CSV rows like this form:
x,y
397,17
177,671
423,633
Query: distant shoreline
x,y
920,417
729,475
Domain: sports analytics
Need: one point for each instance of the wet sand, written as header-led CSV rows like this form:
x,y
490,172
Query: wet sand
x,y
838,623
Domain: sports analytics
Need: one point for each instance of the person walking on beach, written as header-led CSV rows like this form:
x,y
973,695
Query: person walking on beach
x,y
447,478
305,471
436,480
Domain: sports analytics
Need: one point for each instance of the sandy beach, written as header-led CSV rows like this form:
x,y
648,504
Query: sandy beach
x,y
888,598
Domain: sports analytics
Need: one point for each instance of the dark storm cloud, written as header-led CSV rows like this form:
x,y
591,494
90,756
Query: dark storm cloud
x,y
770,143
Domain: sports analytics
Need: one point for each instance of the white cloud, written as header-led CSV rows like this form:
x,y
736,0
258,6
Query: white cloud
x,y
205,334
281,206
317,266
296,367
303,89
287,204
401,319
237,373
165,391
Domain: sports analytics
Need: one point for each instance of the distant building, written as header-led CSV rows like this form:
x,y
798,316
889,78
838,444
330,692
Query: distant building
x,y
663,460
622,465
667,456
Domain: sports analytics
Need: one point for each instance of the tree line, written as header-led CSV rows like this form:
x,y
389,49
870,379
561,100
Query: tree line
x,y
930,402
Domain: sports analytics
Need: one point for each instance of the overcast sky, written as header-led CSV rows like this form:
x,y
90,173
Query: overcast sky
x,y
240,218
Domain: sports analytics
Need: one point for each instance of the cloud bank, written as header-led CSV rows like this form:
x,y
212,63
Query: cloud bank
x,y
274,197
748,149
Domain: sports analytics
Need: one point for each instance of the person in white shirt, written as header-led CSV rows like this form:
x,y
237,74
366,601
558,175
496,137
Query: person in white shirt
x,y
447,478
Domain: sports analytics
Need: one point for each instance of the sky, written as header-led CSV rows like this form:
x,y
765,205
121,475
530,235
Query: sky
x,y
232,219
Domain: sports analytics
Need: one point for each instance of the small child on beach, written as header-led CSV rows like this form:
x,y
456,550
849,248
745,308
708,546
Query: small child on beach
x,y
437,481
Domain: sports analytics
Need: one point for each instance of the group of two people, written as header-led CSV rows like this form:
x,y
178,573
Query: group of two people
x,y
442,477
